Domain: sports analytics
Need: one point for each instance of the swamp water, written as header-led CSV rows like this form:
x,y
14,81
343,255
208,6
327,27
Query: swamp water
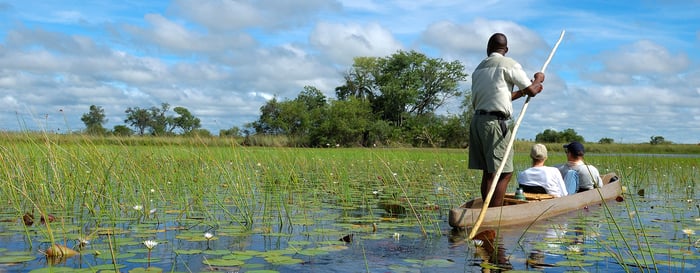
x,y
320,222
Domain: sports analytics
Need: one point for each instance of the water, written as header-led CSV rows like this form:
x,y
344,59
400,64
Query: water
x,y
589,238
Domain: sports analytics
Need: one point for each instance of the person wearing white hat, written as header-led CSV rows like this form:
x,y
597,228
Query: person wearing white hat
x,y
540,178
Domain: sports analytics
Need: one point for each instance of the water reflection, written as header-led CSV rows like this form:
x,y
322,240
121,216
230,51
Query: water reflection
x,y
490,252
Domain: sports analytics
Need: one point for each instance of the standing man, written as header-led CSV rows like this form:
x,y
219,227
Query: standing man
x,y
492,96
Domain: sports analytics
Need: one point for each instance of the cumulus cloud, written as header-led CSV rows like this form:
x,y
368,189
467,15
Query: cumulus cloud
x,y
227,15
468,40
169,35
343,42
645,57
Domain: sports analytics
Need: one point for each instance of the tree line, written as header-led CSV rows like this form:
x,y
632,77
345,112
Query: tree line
x,y
145,121
388,101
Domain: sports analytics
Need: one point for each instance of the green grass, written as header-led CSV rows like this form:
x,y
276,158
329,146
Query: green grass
x,y
97,184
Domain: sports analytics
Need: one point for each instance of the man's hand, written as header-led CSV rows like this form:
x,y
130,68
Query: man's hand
x,y
536,86
539,77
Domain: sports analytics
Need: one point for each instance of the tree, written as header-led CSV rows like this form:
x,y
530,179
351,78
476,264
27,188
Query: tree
x,y
411,83
359,81
232,132
138,118
159,123
655,140
185,121
94,120
122,130
551,136
345,122
606,140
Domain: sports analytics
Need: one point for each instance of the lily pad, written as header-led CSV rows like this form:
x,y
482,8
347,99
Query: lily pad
x,y
5,259
146,270
187,251
222,262
282,260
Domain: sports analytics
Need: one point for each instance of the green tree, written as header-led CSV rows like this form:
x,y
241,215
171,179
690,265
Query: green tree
x,y
547,136
570,135
655,140
138,118
94,120
122,130
606,140
185,121
232,132
159,122
412,83
345,123
359,81
551,136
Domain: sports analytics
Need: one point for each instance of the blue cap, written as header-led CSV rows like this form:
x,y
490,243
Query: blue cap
x,y
574,147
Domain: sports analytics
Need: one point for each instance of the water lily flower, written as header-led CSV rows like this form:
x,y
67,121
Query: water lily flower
x,y
477,242
152,211
573,248
397,236
208,236
150,244
138,207
153,190
82,242
689,232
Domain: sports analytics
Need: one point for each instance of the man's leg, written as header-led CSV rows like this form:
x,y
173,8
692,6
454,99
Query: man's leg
x,y
501,187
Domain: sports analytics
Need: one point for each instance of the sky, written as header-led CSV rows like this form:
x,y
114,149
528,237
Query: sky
x,y
625,70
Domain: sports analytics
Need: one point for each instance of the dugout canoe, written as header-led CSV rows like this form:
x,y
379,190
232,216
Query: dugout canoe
x,y
536,207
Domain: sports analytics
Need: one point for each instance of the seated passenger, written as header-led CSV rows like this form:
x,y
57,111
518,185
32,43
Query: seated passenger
x,y
540,178
576,173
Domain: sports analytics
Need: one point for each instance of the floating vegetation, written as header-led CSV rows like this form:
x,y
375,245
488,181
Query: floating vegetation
x,y
193,208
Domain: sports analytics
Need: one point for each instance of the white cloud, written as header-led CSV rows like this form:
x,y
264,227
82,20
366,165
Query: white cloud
x,y
645,57
343,42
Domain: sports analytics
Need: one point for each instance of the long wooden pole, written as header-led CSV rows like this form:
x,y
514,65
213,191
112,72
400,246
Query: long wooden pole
x,y
482,214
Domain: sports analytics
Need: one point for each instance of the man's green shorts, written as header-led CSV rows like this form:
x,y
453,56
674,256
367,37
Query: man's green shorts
x,y
487,145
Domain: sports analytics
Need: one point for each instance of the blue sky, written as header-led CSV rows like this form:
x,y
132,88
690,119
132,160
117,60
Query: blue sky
x,y
625,70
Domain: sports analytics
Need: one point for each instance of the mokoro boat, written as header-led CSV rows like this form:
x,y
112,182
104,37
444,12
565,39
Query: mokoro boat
x,y
536,207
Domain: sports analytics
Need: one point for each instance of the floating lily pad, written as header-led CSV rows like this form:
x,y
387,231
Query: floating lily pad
x,y
312,252
431,262
216,252
143,260
222,262
151,269
188,251
8,259
282,260
53,269
573,263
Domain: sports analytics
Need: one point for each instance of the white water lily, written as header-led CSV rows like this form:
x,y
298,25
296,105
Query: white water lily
x,y
477,242
689,232
150,244
138,207
152,211
208,236
397,236
574,248
82,242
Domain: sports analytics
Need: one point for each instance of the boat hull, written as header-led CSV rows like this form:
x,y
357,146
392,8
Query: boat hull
x,y
466,215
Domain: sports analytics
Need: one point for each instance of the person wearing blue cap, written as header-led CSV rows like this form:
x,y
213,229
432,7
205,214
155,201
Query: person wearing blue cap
x,y
578,176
